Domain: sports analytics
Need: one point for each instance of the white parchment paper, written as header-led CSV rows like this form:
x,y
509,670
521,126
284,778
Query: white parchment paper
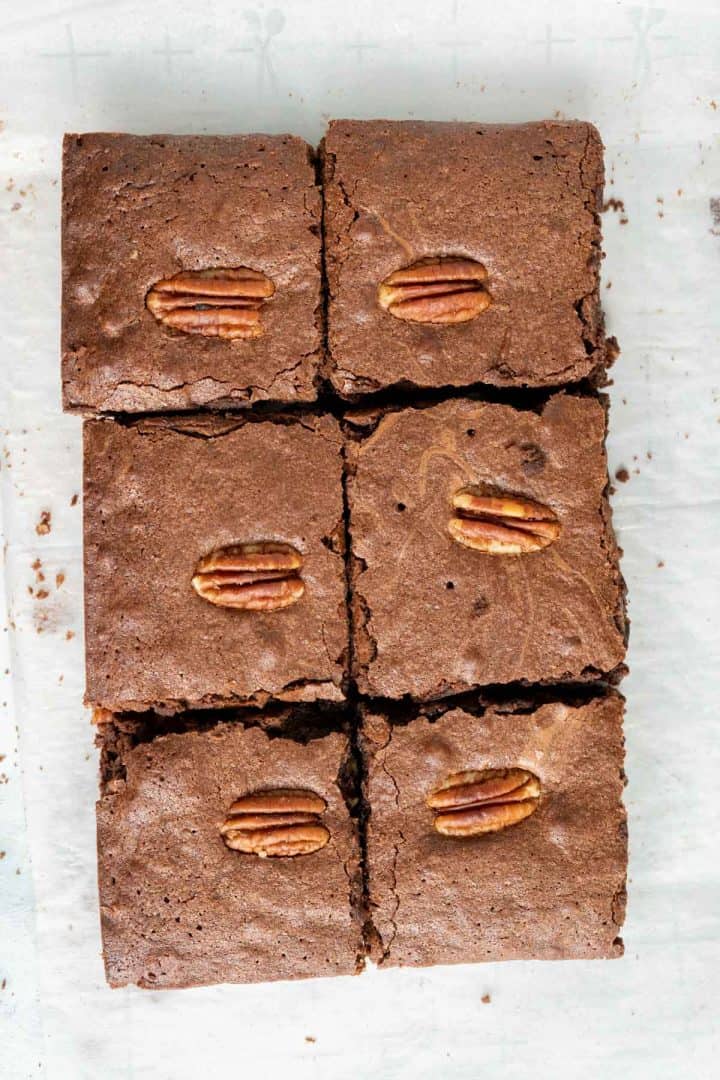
x,y
648,76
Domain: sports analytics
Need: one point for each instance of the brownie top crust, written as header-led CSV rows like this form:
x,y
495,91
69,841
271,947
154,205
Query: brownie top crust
x,y
433,617
179,907
521,200
161,495
138,210
552,886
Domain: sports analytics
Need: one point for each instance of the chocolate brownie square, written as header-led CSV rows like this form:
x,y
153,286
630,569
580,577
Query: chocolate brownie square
x,y
497,836
191,271
214,569
226,855
462,253
482,548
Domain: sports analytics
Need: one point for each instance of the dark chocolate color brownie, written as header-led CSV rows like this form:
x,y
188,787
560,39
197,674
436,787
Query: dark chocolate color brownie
x,y
550,887
432,617
522,200
162,494
140,209
178,907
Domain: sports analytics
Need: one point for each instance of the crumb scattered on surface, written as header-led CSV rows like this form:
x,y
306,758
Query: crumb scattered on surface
x,y
310,1038
715,215
73,501
42,594
59,580
44,525
614,205
486,999
622,475
608,284
69,635
660,564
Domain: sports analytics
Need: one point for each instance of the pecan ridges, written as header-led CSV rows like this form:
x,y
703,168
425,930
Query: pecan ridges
x,y
258,576
499,524
219,302
441,291
475,802
271,823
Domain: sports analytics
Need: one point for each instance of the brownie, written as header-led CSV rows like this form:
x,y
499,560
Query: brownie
x,y
550,886
138,210
432,616
179,907
519,202
161,496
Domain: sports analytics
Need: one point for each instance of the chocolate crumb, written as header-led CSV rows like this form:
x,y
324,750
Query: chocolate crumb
x,y
310,1039
73,501
59,580
660,564
69,635
44,525
622,475
534,459
486,999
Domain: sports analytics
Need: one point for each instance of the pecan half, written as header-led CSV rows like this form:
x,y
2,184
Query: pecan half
x,y
442,290
222,302
273,823
499,524
261,576
474,802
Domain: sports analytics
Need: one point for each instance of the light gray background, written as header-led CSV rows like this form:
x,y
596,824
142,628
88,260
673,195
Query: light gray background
x,y
648,76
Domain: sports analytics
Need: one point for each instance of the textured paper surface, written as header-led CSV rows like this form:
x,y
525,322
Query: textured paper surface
x,y
648,76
